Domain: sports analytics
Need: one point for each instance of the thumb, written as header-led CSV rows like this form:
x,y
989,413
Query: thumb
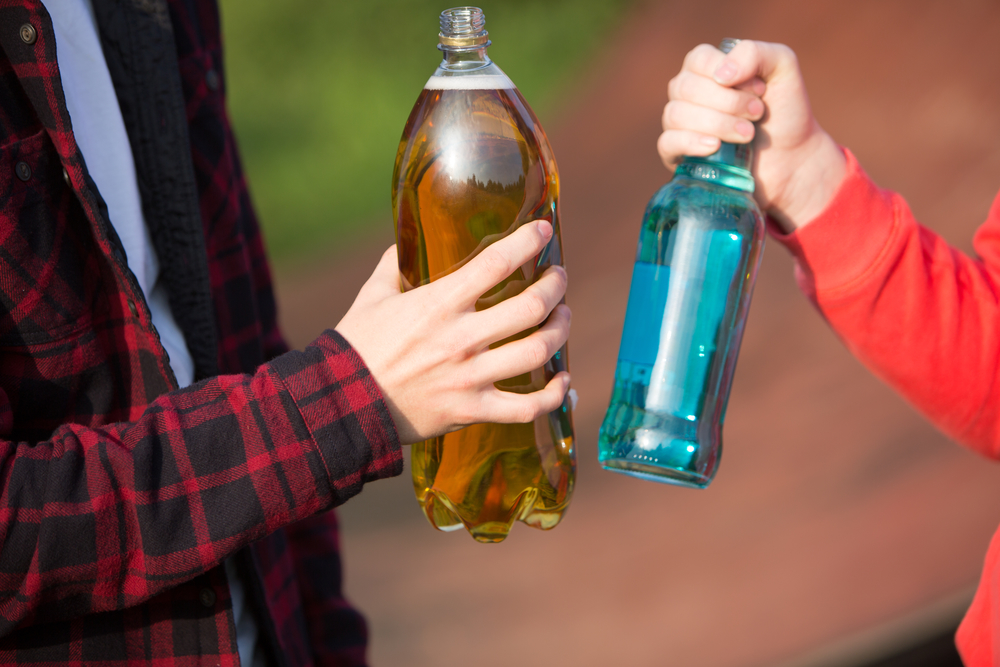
x,y
384,281
750,59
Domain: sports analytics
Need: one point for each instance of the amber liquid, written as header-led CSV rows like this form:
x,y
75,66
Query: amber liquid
x,y
473,165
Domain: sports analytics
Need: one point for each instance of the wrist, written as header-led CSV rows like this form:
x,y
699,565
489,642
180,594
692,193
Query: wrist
x,y
820,169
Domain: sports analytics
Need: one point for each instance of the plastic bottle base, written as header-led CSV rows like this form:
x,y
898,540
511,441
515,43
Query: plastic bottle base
x,y
443,516
655,473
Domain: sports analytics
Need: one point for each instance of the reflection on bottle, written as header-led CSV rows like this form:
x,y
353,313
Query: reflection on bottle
x,y
698,254
473,165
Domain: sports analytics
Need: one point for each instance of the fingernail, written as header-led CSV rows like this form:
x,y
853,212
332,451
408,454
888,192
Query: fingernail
x,y
711,142
545,229
726,72
755,108
745,128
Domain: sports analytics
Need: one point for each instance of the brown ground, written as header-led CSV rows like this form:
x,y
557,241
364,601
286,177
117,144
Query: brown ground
x,y
839,521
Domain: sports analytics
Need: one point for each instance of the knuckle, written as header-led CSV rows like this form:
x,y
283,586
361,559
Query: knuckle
x,y
669,155
788,54
670,114
673,87
455,348
496,262
536,352
465,379
527,412
685,86
664,144
534,306
698,55
464,383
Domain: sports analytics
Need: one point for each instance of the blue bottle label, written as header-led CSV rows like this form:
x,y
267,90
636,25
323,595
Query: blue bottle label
x,y
647,298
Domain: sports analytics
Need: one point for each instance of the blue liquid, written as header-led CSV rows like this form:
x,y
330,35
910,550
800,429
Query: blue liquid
x,y
682,331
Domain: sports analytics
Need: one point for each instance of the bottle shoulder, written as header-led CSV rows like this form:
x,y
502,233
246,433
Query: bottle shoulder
x,y
693,191
468,70
453,116
707,202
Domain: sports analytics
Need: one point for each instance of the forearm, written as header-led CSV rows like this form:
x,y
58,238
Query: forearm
x,y
122,512
820,168
921,315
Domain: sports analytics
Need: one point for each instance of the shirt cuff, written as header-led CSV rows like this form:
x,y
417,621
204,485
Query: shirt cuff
x,y
836,250
345,413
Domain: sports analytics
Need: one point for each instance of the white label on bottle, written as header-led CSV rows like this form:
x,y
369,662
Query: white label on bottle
x,y
470,82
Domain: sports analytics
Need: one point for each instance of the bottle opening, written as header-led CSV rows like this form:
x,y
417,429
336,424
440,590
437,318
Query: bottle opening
x,y
463,28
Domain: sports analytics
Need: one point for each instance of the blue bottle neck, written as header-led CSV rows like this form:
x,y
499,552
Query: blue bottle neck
x,y
728,166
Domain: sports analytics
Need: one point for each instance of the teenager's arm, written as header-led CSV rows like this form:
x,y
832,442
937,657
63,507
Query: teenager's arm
x,y
921,315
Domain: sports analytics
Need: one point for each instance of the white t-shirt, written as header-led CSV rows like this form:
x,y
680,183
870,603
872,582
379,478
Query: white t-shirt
x,y
100,133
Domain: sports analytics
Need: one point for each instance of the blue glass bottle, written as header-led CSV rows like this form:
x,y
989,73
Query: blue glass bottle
x,y
699,250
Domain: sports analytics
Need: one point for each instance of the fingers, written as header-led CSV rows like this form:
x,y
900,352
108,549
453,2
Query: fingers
x,y
496,262
750,59
703,120
703,59
674,145
698,89
528,353
702,111
520,312
504,407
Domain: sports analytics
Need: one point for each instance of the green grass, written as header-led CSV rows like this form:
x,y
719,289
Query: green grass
x,y
319,91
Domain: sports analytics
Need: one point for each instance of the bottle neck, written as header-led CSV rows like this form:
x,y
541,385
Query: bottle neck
x,y
463,39
728,166
464,59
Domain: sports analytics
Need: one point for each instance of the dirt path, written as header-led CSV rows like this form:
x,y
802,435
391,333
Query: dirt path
x,y
836,509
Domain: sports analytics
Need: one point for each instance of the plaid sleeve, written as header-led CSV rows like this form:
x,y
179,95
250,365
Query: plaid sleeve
x,y
96,519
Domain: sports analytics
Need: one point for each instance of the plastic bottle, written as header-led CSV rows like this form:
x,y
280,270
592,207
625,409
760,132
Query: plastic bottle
x,y
699,250
473,165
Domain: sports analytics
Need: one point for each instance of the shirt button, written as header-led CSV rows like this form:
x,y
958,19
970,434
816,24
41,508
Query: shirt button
x,y
212,80
207,597
132,308
28,33
22,170
66,177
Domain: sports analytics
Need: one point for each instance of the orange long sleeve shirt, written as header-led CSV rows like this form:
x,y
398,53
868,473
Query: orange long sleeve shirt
x,y
923,317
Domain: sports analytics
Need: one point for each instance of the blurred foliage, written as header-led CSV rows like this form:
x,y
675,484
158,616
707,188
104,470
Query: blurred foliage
x,y
319,92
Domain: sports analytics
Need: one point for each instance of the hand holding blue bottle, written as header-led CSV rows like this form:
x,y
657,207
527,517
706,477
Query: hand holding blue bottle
x,y
715,97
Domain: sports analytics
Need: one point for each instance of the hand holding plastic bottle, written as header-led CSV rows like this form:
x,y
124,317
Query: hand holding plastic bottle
x,y
428,349
715,97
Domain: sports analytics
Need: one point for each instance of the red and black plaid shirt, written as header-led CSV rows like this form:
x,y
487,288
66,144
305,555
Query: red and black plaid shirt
x,y
120,494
